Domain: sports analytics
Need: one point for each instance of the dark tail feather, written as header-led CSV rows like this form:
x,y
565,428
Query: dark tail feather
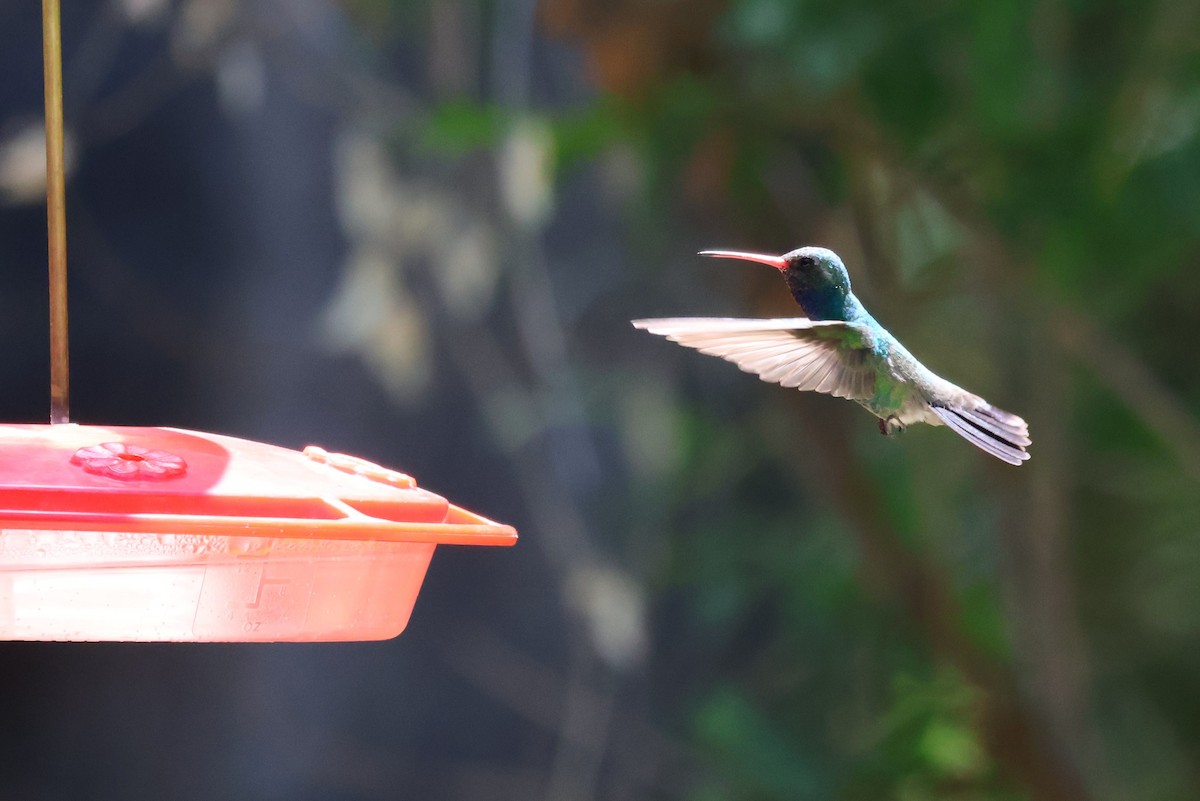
x,y
1001,434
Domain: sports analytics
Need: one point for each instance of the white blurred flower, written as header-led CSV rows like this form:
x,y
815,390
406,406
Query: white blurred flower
x,y
201,25
379,208
373,204
466,270
373,315
23,163
614,608
526,164
143,12
241,75
391,224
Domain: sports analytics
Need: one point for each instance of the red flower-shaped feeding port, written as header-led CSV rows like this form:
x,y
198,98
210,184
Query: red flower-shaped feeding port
x,y
129,462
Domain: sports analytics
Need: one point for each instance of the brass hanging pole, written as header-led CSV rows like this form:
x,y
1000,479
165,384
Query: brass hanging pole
x,y
56,210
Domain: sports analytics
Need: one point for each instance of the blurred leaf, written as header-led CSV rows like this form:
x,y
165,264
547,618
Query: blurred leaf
x,y
457,128
585,135
1001,64
984,621
746,742
951,749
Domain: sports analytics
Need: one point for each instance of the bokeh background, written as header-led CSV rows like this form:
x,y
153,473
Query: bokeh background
x,y
416,232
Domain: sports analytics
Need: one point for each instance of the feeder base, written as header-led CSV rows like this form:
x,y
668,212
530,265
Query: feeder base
x,y
89,585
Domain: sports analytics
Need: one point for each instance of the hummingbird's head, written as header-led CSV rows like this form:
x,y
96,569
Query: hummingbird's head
x,y
816,276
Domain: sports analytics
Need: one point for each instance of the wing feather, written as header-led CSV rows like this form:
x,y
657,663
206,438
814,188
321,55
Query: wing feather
x,y
821,355
803,365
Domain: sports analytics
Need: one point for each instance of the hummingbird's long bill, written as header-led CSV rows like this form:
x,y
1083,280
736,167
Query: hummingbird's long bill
x,y
777,262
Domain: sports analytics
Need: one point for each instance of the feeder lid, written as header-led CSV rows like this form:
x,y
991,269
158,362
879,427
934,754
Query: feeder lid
x,y
143,479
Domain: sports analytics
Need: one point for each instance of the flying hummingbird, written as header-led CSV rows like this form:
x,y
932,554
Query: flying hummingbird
x,y
839,348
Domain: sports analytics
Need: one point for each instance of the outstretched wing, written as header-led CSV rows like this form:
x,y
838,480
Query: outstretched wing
x,y
819,355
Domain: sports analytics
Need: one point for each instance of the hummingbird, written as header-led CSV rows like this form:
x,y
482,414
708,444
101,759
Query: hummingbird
x,y
837,347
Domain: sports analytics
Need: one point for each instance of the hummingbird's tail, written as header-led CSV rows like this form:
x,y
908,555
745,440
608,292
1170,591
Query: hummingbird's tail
x,y
1000,433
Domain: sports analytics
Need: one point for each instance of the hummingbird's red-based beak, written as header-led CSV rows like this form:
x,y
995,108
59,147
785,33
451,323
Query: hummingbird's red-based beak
x,y
775,261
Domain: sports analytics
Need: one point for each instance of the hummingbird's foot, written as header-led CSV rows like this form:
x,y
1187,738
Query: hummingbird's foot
x,y
891,426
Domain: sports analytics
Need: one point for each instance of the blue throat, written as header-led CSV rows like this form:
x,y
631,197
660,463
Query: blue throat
x,y
825,302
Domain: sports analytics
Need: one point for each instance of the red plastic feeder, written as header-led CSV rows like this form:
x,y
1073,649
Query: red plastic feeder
x,y
124,533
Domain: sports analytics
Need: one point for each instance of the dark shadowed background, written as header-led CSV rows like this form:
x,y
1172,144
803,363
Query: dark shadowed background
x,y
416,232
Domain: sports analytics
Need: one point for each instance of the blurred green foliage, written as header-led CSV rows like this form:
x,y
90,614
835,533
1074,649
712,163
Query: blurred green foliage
x,y
1042,160
1017,188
